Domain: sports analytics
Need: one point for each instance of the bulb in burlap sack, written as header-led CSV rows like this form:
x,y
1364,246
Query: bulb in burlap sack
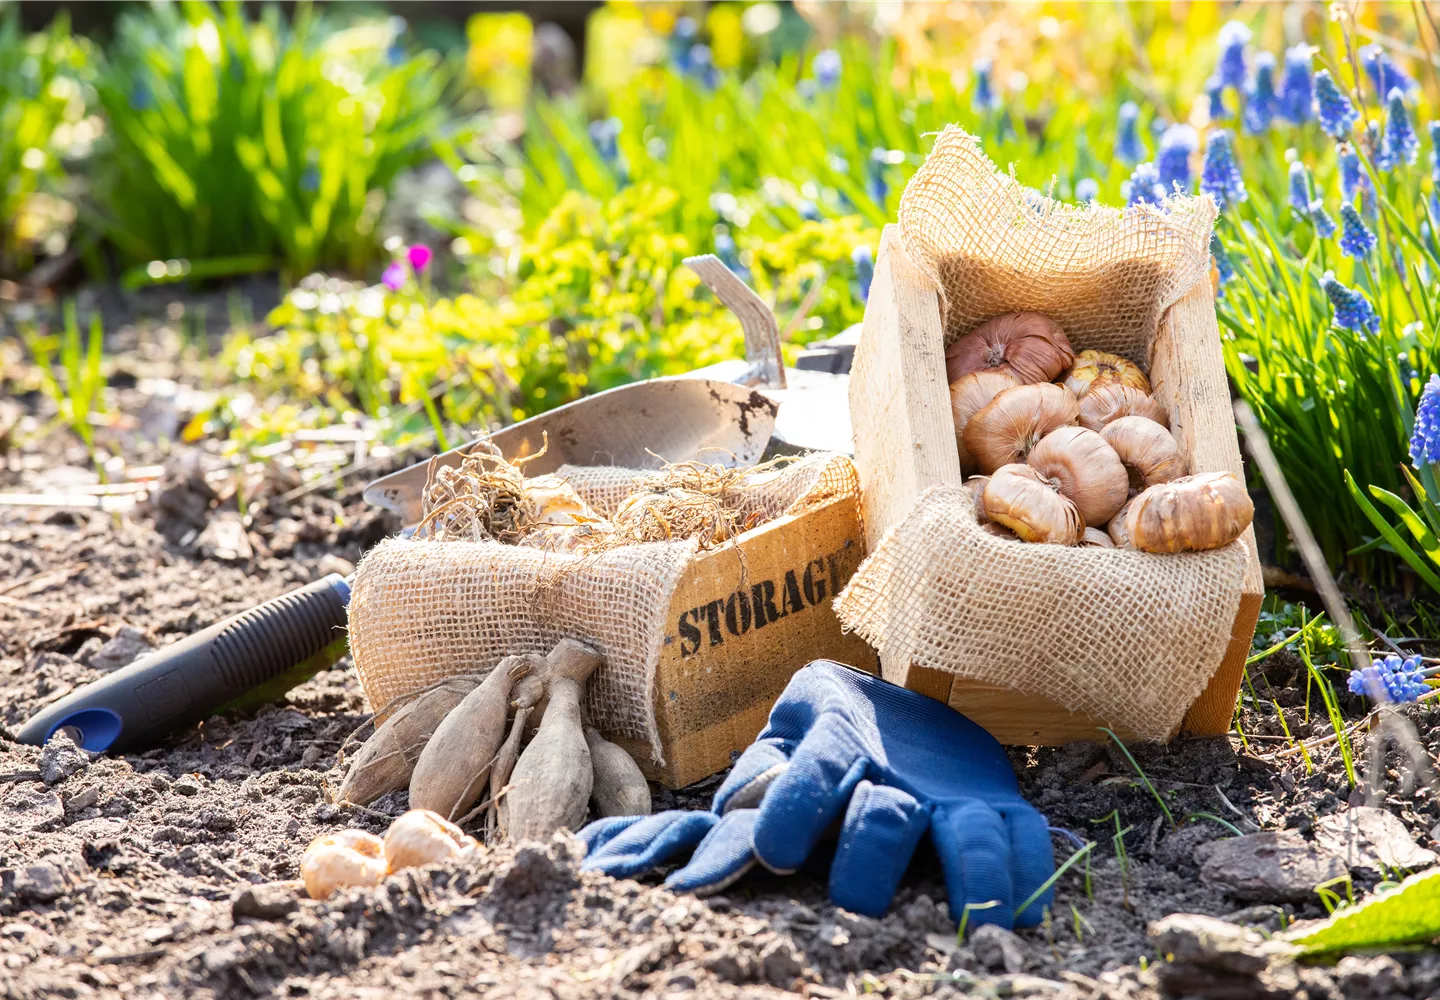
x,y
969,394
1028,345
1085,469
1020,498
1190,514
1092,369
1011,424
1147,450
1101,405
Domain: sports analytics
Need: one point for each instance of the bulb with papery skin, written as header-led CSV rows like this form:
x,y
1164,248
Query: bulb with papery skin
x,y
340,860
1110,402
1092,369
1086,469
1011,424
1147,450
968,395
1021,499
1190,514
1031,346
421,837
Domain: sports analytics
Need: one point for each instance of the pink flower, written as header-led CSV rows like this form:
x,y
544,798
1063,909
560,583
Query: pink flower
x,y
394,276
419,256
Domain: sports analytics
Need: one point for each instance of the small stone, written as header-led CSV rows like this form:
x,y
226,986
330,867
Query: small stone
x,y
1208,942
33,809
1377,976
779,966
264,902
61,758
727,967
224,538
1371,837
186,785
129,644
331,563
1265,916
673,916
1268,867
82,800
680,982
226,956
43,882
997,949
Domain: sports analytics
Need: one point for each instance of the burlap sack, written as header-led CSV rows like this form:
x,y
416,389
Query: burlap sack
x,y
423,610
1127,637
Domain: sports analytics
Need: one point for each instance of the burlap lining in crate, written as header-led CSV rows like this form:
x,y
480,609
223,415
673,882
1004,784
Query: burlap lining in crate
x,y
1127,637
424,610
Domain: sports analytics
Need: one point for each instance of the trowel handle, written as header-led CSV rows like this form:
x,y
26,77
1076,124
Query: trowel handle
x,y
189,680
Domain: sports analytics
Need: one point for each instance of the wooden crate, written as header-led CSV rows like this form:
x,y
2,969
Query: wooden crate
x,y
905,444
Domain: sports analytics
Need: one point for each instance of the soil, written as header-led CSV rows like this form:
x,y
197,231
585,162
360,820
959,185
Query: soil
x,y
171,872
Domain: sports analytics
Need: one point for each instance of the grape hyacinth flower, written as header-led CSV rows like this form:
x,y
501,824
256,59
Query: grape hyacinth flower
x,y
1215,93
729,255
1337,115
1143,187
1384,74
1391,679
682,36
1220,175
1353,179
1434,130
1224,266
1352,309
1305,204
1233,38
864,263
1177,145
1355,239
700,65
393,277
826,68
1262,104
419,256
1087,189
605,134
983,97
1128,147
1400,144
1425,440
1297,97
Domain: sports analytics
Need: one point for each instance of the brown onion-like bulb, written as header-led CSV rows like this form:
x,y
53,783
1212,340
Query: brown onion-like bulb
x,y
1116,528
976,486
1094,538
1085,469
1190,514
1101,405
1014,421
1031,346
968,395
1021,499
1092,369
1147,450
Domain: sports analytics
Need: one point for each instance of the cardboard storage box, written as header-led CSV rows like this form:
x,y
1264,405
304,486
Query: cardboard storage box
x,y
905,444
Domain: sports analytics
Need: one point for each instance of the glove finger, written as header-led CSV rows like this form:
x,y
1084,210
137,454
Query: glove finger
x,y
722,857
974,847
809,796
882,827
599,833
762,762
1032,861
650,842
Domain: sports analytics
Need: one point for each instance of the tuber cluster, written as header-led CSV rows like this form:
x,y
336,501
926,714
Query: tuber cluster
x,y
516,733
1074,450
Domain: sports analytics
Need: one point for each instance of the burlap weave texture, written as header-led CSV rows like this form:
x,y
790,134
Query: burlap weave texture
x,y
424,610
1127,637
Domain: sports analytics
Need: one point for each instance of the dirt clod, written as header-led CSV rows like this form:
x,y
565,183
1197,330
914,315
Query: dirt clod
x,y
61,758
1268,867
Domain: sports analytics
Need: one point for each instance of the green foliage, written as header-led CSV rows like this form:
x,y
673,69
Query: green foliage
x,y
1421,525
598,297
43,104
238,144
1406,914
70,374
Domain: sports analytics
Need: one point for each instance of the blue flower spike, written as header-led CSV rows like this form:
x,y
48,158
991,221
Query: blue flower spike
x,y
1352,309
1391,679
826,68
1220,175
1353,179
1128,147
1233,38
1297,95
1434,129
1384,73
1087,189
864,262
1177,144
1337,115
1143,187
1399,144
1262,103
1425,441
983,97
1356,240
1215,92
1304,203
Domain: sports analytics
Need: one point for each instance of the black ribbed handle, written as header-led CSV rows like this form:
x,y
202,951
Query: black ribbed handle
x,y
187,681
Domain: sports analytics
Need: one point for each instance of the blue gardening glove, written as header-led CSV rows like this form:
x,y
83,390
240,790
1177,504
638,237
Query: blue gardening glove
x,y
889,764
